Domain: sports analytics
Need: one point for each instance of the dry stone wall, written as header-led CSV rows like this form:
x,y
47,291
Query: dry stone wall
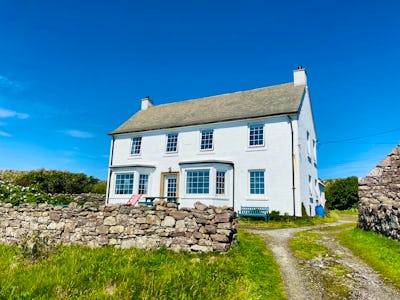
x,y
200,229
379,194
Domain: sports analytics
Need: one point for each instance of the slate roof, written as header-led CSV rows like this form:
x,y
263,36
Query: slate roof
x,y
261,102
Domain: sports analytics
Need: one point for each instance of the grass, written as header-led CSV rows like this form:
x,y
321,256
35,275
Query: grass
x,y
289,222
246,272
304,245
381,253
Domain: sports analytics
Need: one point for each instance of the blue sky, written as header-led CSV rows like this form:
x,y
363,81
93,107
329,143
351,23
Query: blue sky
x,y
72,71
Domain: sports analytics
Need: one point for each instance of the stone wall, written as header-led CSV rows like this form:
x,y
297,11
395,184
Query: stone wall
x,y
200,229
379,194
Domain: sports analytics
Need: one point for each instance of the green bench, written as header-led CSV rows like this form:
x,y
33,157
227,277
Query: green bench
x,y
253,211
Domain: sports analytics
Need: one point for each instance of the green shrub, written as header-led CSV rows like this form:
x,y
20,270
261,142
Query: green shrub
x,y
342,193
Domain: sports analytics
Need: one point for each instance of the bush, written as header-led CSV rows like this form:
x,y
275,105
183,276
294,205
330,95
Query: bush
x,y
342,193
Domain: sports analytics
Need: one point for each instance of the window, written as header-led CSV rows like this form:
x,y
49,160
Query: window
x,y
172,142
136,145
308,145
198,182
143,184
207,139
256,135
257,182
220,183
310,184
124,184
315,149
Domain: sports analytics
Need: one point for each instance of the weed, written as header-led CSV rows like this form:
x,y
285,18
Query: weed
x,y
34,248
304,245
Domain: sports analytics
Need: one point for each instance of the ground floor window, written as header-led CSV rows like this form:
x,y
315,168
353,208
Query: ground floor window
x,y
124,183
257,182
198,182
143,184
220,183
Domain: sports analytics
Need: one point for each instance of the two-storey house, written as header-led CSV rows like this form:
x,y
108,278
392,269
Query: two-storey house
x,y
250,148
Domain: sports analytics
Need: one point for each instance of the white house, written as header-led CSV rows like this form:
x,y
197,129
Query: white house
x,y
250,148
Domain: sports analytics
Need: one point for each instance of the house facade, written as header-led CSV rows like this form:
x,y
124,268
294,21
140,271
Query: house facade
x,y
250,148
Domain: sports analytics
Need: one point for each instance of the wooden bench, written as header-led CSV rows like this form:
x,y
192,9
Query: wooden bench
x,y
253,211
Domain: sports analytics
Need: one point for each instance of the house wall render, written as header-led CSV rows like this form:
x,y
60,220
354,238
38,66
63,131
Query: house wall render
x,y
200,229
379,194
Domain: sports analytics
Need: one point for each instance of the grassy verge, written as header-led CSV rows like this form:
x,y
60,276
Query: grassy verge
x,y
381,253
246,272
289,222
304,245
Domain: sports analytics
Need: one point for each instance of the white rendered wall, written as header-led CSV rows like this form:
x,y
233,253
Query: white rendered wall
x,y
307,159
230,144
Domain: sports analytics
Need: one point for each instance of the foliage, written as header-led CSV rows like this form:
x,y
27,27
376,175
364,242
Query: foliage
x,y
57,182
246,272
304,245
99,188
381,253
342,193
35,248
16,195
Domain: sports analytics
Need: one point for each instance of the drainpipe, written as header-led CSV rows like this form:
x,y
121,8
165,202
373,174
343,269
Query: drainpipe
x,y
110,171
233,187
293,179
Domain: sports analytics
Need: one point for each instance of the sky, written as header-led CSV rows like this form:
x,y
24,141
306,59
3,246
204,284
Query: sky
x,y
73,71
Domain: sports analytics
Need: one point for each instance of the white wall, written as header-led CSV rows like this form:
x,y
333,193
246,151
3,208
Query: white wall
x,y
230,144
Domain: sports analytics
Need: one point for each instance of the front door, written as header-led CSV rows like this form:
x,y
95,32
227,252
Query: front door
x,y
169,184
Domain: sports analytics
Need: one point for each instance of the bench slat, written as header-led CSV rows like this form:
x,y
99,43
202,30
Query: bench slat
x,y
254,211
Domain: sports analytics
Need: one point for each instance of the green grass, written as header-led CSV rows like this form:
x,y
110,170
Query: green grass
x,y
246,272
288,223
304,245
381,253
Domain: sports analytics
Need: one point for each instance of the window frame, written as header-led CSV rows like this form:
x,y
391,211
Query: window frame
x,y
263,183
167,142
143,187
220,185
204,138
250,135
136,146
123,185
205,189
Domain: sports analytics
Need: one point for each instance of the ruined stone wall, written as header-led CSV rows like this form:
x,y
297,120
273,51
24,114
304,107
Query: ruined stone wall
x,y
200,229
379,194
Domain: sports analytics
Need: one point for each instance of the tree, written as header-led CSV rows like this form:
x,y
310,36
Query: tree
x,y
342,193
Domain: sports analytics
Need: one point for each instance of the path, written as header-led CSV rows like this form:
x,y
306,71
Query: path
x,y
316,278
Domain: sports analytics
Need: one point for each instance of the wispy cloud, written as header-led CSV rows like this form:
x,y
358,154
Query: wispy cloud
x,y
5,134
9,84
7,113
79,134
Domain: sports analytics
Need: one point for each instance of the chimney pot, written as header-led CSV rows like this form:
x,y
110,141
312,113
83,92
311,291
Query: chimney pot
x,y
146,103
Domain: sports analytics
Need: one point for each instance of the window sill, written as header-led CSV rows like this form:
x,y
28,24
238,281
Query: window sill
x,y
249,198
254,149
171,154
205,152
137,156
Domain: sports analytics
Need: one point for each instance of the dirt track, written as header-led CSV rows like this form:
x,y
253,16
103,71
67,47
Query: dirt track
x,y
316,278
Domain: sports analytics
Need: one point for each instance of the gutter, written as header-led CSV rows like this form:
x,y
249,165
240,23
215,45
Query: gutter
x,y
293,179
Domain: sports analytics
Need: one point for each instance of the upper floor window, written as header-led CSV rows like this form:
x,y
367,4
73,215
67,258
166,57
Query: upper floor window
x,y
172,142
308,144
198,182
257,182
315,149
136,145
207,139
143,184
220,183
124,183
256,135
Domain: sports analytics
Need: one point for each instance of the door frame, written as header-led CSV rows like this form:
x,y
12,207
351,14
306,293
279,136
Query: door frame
x,y
162,185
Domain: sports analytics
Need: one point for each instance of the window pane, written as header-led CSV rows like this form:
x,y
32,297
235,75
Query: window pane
x,y
220,183
136,145
172,142
256,135
206,139
143,183
257,182
198,182
124,184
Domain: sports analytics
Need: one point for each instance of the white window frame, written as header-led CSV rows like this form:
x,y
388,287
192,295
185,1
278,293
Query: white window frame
x,y
249,128
133,144
187,180
315,150
123,187
212,140
146,184
308,144
220,186
167,142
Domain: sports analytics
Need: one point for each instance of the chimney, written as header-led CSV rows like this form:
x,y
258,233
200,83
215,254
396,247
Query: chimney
x,y
300,76
146,103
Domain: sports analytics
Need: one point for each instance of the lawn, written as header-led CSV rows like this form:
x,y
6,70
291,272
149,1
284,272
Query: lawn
x,y
246,272
381,253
